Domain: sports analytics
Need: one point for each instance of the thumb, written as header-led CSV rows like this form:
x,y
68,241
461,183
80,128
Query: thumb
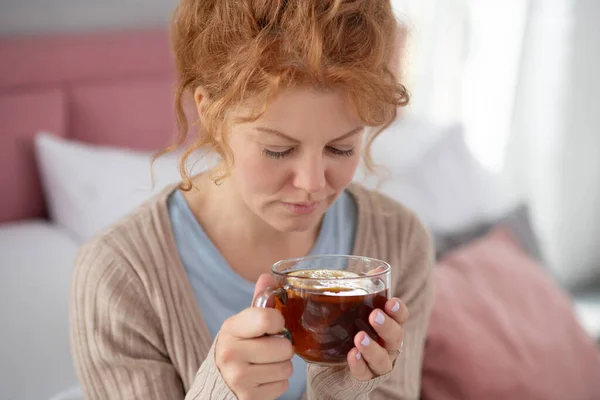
x,y
264,281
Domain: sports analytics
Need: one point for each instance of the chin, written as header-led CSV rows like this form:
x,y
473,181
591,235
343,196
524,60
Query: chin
x,y
289,224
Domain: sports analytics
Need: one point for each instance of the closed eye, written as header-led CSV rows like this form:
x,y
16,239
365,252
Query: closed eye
x,y
277,154
332,150
338,152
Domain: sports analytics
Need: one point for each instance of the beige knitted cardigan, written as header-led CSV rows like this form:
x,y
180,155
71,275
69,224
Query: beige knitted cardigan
x,y
137,331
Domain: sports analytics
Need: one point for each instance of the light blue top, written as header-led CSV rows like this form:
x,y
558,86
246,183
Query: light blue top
x,y
221,292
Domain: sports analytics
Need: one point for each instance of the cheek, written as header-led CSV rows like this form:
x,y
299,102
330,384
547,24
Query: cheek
x,y
341,172
255,173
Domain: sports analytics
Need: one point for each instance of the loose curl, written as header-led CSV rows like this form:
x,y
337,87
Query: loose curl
x,y
243,52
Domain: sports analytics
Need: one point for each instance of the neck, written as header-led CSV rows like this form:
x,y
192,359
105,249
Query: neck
x,y
226,218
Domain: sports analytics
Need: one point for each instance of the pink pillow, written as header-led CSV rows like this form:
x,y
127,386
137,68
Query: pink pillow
x,y
501,329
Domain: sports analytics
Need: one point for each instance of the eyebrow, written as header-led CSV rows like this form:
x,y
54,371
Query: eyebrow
x,y
291,139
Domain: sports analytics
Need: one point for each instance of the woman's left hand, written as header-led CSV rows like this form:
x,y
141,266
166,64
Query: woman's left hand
x,y
368,359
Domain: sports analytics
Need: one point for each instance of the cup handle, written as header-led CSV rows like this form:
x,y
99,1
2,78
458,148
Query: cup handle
x,y
262,301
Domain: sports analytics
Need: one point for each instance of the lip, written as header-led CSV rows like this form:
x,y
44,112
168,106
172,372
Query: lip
x,y
302,208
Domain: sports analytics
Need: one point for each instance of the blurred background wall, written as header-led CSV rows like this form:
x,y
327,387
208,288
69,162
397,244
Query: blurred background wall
x,y
48,16
519,76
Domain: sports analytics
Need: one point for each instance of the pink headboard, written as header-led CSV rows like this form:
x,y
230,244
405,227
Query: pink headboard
x,y
112,88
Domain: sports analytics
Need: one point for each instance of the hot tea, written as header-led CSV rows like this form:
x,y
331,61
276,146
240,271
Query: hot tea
x,y
323,312
325,301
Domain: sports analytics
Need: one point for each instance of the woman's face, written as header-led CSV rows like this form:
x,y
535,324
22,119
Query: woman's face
x,y
293,162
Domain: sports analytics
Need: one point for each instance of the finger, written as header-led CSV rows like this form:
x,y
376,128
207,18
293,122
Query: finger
x,y
269,373
242,379
264,350
254,322
358,366
387,328
397,310
376,357
264,281
377,270
270,390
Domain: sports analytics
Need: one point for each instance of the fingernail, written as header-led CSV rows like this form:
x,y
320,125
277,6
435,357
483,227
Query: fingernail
x,y
379,318
396,307
365,342
358,356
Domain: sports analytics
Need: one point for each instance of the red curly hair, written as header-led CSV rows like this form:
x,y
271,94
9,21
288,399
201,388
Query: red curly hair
x,y
241,50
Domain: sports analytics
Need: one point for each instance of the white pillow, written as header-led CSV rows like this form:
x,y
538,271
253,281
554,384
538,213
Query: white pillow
x,y
431,170
89,187
36,259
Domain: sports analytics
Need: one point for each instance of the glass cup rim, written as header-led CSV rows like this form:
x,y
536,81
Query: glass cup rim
x,y
387,266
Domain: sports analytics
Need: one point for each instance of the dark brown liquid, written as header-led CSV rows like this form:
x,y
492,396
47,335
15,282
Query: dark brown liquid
x,y
323,325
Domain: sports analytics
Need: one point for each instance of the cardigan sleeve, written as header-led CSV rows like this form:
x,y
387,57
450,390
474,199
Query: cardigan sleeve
x,y
116,337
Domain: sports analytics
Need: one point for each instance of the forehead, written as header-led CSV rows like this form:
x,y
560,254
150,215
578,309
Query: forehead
x,y
300,111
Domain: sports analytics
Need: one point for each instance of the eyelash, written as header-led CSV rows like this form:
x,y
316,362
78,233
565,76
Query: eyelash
x,y
282,154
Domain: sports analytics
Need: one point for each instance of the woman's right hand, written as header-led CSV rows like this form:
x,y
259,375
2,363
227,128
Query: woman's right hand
x,y
255,366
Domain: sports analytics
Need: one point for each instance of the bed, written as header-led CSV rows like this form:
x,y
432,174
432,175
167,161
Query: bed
x,y
109,88
80,116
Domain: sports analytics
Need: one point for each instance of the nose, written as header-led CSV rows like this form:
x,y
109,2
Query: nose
x,y
310,174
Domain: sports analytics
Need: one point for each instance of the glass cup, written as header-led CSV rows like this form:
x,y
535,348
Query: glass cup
x,y
325,301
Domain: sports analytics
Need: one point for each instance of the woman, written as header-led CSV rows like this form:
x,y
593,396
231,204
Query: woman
x,y
285,92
